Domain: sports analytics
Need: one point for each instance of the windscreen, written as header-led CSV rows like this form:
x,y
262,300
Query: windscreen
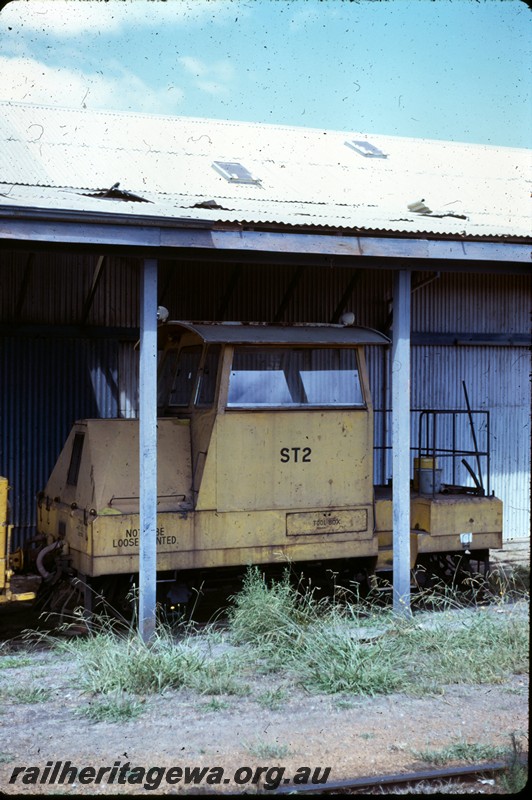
x,y
288,378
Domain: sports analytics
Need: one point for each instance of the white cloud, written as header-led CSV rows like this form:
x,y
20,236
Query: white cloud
x,y
71,17
224,70
210,78
194,66
212,87
30,81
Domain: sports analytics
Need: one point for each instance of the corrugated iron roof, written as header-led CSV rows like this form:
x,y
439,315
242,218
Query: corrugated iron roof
x,y
55,158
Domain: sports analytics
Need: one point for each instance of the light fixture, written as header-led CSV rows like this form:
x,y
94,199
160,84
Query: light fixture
x,y
347,319
162,314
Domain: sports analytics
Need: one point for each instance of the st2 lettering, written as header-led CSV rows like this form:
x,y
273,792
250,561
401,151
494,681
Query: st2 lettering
x,y
296,454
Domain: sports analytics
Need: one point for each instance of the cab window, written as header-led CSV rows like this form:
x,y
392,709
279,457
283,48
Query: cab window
x,y
292,378
178,377
208,374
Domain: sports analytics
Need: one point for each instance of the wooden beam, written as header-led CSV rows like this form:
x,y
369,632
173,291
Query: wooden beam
x,y
90,297
231,286
289,293
342,305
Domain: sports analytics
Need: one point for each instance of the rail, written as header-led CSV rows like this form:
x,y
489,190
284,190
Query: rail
x,y
405,779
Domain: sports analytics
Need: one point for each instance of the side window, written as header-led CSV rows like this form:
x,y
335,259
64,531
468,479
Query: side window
x,y
75,459
165,378
207,380
185,376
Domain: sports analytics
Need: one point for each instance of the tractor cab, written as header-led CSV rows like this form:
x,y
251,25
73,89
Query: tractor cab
x,y
287,410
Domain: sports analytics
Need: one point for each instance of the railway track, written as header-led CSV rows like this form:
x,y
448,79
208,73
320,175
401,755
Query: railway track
x,y
387,784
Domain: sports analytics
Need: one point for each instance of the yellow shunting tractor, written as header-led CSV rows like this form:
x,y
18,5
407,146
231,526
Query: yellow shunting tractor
x,y
14,585
265,455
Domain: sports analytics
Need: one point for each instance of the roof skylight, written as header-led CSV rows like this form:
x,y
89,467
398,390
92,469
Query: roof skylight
x,y
235,172
366,149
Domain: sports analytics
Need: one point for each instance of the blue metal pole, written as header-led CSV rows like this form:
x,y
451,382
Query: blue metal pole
x,y
401,443
148,449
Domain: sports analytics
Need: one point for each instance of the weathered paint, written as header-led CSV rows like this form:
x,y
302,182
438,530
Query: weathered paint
x,y
238,486
201,540
234,486
294,459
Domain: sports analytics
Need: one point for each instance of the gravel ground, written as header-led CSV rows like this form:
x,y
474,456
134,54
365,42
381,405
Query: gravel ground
x,y
352,735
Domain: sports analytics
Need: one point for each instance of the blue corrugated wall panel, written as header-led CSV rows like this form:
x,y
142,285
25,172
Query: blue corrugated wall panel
x,y
47,384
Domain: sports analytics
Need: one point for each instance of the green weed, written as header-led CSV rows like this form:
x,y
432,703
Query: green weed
x,y
111,660
273,699
115,659
13,662
268,616
462,751
218,676
263,749
482,647
27,695
515,778
215,704
115,707
364,649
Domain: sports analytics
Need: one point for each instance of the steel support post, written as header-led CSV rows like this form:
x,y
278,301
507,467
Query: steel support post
x,y
148,449
401,442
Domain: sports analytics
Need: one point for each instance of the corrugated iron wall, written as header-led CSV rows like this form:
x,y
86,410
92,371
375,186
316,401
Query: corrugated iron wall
x,y
496,379
48,380
46,385
458,302
285,293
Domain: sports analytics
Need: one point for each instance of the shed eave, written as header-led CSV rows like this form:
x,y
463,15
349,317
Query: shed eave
x,y
115,231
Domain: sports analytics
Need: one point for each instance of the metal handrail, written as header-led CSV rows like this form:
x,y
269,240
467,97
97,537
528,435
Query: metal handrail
x,y
427,442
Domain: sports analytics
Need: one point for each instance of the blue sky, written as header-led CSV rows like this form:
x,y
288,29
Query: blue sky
x,y
445,69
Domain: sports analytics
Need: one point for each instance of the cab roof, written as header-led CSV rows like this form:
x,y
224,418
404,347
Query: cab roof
x,y
256,333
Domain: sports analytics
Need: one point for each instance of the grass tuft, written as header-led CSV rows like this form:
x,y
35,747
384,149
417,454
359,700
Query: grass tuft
x,y
471,753
112,661
116,659
115,707
215,704
14,662
269,616
263,749
27,695
515,778
364,649
273,699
